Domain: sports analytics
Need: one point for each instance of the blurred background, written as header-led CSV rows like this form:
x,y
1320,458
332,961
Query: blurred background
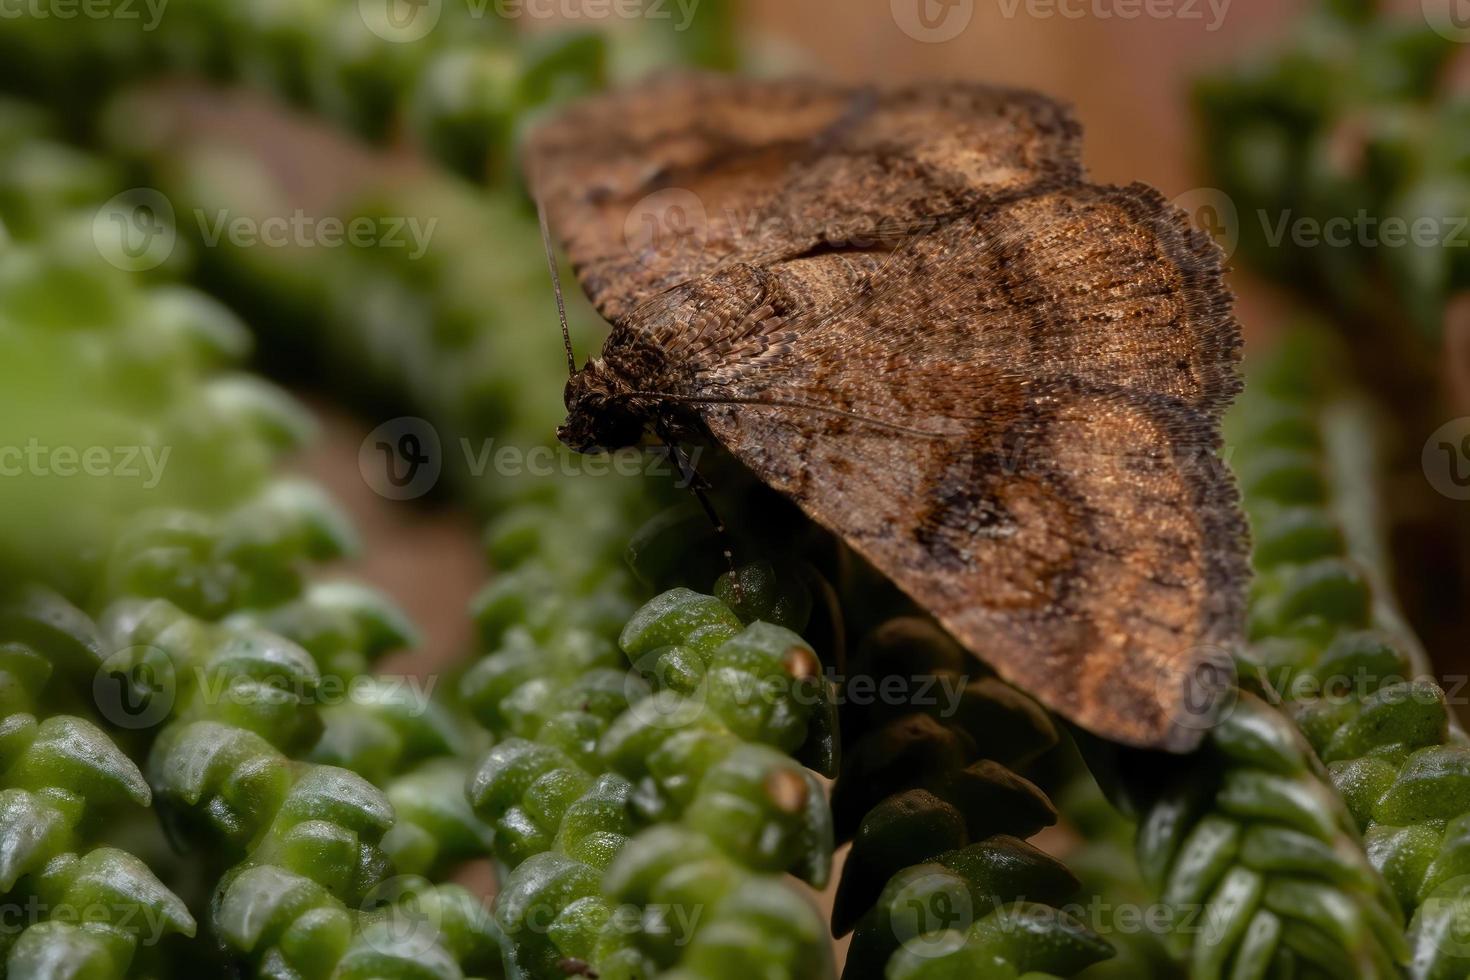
x,y
228,224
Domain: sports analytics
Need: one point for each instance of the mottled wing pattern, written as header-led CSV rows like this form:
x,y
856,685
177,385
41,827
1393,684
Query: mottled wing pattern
x,y
658,184
1105,284
906,310
909,159
1016,418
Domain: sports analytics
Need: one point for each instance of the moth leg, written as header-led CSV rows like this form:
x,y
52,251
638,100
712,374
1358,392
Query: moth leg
x,y
700,487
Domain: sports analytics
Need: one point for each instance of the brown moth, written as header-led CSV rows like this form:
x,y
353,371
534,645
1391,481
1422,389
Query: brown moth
x,y
908,310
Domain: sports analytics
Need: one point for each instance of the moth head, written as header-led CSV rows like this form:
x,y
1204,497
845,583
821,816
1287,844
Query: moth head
x,y
600,415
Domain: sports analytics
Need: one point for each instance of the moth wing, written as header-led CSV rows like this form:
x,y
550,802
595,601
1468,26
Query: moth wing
x,y
660,183
1017,420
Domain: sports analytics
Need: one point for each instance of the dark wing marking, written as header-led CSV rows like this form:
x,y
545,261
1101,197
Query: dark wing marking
x,y
1068,519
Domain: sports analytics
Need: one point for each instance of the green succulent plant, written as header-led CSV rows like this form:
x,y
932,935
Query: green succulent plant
x,y
646,769
78,908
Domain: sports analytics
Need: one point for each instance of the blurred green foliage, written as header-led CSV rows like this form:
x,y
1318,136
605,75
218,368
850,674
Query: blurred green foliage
x,y
1343,160
213,659
642,804
75,912
1335,648
117,396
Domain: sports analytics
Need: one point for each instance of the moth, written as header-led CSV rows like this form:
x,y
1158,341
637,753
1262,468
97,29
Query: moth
x,y
910,311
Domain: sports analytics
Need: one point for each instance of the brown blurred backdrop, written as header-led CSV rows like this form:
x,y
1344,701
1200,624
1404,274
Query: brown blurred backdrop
x,y
1128,78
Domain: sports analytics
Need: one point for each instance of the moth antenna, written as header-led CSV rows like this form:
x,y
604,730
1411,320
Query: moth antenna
x,y
561,305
